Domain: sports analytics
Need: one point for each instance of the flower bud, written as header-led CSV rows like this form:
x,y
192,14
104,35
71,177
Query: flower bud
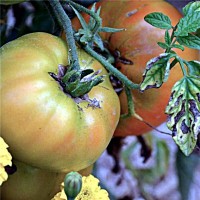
x,y
72,184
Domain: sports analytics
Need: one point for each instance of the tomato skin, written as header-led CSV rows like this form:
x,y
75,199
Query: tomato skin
x,y
43,126
139,44
33,183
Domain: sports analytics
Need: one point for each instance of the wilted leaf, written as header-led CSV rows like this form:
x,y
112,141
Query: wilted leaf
x,y
157,71
184,113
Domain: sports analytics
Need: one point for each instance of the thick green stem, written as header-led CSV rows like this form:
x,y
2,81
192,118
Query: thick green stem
x,y
131,109
89,12
65,22
111,69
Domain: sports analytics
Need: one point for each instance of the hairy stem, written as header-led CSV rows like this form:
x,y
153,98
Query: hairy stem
x,y
111,69
131,109
65,23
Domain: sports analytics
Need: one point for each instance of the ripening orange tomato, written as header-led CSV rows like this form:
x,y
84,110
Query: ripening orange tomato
x,y
138,44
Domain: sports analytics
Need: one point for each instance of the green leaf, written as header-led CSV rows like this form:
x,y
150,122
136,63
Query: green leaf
x,y
158,20
178,46
98,41
156,72
167,38
198,32
191,41
191,8
189,23
81,19
185,167
92,21
163,45
194,67
184,113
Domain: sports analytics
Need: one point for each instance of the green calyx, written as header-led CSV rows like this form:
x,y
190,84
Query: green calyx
x,y
72,184
77,82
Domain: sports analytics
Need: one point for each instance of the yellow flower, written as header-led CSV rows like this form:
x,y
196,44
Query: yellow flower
x,y
61,195
5,159
90,190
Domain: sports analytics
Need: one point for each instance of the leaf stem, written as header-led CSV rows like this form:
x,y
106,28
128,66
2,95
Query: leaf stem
x,y
180,60
81,8
173,63
172,37
65,22
111,69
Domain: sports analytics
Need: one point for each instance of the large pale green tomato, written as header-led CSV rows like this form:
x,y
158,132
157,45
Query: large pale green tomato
x,y
43,126
30,183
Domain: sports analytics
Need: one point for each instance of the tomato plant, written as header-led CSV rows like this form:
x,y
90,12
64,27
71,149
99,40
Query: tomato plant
x,y
33,183
137,45
44,126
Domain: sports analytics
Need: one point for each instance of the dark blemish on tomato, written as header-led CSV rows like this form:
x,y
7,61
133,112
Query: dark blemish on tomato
x,y
132,12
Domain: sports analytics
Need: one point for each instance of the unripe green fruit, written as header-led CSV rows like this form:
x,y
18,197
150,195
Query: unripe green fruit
x,y
72,184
